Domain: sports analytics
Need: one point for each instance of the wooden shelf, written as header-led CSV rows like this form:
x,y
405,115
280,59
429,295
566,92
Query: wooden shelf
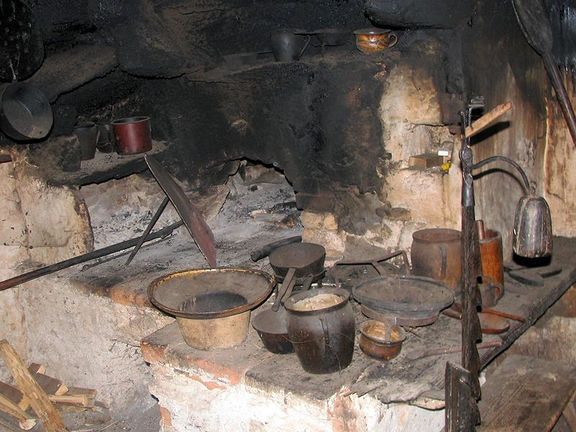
x,y
105,166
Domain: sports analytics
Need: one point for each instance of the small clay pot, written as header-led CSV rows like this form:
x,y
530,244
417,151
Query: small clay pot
x,y
374,40
379,340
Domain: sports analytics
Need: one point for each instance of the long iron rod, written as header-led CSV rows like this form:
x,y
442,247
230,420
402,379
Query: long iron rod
x,y
26,277
148,229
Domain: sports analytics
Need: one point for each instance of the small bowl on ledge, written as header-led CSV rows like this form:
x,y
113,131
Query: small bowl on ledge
x,y
374,40
381,340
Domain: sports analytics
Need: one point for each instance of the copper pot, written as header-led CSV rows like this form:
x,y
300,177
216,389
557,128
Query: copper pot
x,y
381,340
132,135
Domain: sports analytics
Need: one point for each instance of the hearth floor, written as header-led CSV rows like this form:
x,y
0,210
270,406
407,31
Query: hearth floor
x,y
241,226
411,377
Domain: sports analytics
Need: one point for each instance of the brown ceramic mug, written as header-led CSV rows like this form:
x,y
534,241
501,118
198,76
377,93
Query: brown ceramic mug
x,y
374,40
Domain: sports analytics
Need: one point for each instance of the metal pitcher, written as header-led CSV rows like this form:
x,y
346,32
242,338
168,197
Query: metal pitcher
x,y
288,46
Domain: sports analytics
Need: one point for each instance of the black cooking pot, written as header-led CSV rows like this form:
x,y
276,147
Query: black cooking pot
x,y
25,113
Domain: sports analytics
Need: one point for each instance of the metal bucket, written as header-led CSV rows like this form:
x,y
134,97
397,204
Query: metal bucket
x,y
132,135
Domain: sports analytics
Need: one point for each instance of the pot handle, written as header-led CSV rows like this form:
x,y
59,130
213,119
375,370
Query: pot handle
x,y
287,284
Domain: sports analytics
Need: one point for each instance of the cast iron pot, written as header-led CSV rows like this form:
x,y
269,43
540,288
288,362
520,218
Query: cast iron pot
x,y
323,333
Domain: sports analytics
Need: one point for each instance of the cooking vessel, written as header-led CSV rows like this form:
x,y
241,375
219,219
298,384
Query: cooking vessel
x,y
272,327
293,261
212,306
25,113
288,46
436,253
132,135
405,297
87,135
374,40
321,327
381,340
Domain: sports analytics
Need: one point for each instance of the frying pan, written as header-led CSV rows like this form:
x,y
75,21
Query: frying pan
x,y
25,113
298,260
272,327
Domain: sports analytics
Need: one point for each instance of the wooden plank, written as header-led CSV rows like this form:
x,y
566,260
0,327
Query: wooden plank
x,y
38,398
37,368
487,119
91,393
532,302
78,396
13,394
526,394
52,386
78,400
8,423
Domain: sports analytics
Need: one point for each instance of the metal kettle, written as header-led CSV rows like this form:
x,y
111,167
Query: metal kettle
x,y
532,235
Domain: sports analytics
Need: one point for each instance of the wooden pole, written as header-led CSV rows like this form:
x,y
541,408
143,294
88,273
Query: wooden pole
x,y
39,400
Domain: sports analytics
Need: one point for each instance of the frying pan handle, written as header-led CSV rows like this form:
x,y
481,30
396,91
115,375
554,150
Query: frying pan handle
x,y
289,289
305,285
283,290
264,251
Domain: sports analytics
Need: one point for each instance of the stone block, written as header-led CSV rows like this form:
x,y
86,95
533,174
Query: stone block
x,y
325,221
333,242
411,96
13,230
432,198
57,220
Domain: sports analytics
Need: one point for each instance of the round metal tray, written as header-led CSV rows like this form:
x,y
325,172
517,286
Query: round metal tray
x,y
413,294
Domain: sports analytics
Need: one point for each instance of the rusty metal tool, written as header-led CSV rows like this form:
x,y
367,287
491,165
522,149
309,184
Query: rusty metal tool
x,y
148,229
190,215
537,30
